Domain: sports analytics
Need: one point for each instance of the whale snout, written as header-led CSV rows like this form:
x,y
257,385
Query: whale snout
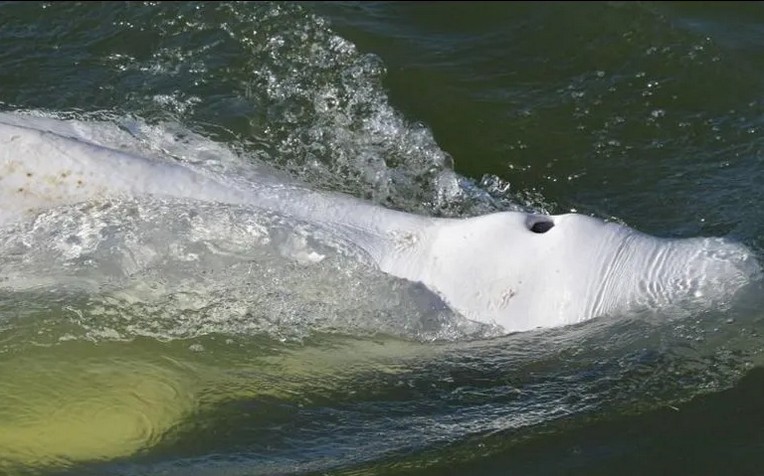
x,y
691,273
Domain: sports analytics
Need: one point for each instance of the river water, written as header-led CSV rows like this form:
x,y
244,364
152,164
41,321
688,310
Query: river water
x,y
142,337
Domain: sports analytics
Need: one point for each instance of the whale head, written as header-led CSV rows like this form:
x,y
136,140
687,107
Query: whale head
x,y
524,271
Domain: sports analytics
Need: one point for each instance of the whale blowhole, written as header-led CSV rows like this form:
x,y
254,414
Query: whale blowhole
x,y
540,224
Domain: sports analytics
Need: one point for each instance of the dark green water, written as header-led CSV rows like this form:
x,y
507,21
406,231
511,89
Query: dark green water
x,y
650,114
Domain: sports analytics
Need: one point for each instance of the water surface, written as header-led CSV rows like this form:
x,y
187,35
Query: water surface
x,y
153,337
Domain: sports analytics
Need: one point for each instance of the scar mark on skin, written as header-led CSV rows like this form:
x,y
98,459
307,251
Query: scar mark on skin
x,y
507,296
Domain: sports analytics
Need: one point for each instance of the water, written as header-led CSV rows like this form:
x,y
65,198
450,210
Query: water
x,y
151,337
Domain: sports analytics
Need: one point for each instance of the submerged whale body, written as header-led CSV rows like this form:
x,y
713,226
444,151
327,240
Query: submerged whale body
x,y
518,270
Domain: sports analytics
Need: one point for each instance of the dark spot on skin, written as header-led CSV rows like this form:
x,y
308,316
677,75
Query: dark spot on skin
x,y
29,174
79,183
21,189
64,174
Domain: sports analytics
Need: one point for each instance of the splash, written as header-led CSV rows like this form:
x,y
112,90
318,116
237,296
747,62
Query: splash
x,y
175,269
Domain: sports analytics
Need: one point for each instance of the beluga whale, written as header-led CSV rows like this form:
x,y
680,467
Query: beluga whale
x,y
518,270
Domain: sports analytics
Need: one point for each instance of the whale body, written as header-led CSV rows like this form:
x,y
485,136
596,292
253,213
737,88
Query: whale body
x,y
518,270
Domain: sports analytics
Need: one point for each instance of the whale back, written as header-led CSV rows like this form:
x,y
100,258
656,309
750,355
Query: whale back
x,y
45,163
41,169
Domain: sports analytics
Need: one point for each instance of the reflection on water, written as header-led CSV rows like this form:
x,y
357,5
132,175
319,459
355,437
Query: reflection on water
x,y
266,405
